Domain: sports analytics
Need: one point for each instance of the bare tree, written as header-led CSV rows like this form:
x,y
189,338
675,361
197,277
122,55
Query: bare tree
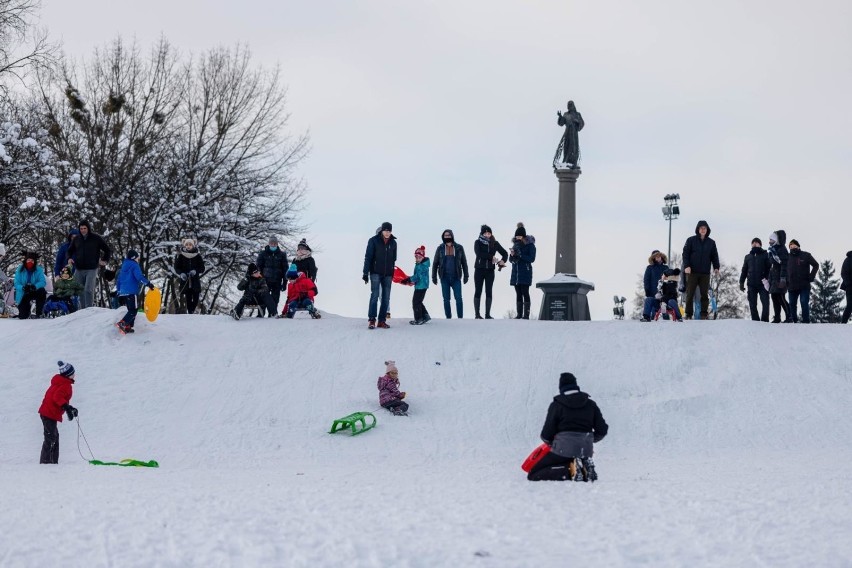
x,y
22,45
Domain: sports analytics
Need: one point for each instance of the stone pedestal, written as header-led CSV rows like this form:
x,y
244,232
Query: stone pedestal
x,y
565,294
565,298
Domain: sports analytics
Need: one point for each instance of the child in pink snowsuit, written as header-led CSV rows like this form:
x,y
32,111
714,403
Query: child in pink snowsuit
x,y
389,395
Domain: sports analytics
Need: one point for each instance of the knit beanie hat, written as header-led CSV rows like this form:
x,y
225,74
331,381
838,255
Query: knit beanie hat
x,y
273,239
757,240
773,237
421,250
391,367
303,244
188,243
567,382
386,226
520,231
66,271
292,272
795,242
65,369
485,229
252,268
131,254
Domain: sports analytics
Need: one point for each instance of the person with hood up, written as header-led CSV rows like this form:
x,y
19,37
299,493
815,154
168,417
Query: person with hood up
x,y
87,253
521,256
272,263
756,266
189,266
699,258
451,266
657,266
57,400
379,264
778,257
846,285
62,253
485,249
30,285
255,291
304,260
799,280
573,425
130,278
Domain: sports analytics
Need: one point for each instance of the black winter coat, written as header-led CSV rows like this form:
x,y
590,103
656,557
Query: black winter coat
x,y
441,254
484,253
756,267
653,274
380,256
798,275
273,265
846,272
86,252
700,255
778,256
308,266
573,413
253,288
185,265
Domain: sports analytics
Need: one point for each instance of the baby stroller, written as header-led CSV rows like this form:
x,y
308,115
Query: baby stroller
x,y
57,307
7,299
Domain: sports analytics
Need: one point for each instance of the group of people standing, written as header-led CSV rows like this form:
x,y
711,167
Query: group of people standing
x,y
450,266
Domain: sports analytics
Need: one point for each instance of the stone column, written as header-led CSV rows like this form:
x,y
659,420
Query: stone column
x,y
566,222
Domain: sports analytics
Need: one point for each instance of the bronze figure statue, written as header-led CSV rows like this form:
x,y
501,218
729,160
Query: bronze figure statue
x,y
569,146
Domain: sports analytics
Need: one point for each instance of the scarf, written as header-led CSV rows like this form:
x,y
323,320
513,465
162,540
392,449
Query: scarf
x,y
302,254
189,253
483,240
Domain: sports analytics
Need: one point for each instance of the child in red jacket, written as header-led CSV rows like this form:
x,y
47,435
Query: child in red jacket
x,y
301,291
56,401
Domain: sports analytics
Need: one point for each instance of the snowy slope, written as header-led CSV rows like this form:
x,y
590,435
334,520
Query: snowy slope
x,y
712,427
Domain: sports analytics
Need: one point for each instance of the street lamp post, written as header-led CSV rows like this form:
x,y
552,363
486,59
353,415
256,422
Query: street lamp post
x,y
671,211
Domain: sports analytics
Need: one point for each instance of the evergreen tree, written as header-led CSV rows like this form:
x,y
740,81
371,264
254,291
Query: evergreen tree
x,y
826,295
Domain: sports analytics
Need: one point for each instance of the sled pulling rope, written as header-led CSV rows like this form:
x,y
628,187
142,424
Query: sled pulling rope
x,y
356,422
127,462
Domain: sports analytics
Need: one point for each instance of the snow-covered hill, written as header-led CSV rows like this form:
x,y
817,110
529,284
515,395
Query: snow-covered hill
x,y
728,444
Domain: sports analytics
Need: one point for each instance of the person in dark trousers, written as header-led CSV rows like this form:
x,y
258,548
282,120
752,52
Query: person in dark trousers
x,y
846,285
255,292
379,263
657,266
130,278
87,253
485,250
699,257
304,260
272,263
799,280
756,266
451,266
420,280
521,256
30,285
62,253
778,256
573,425
189,266
57,400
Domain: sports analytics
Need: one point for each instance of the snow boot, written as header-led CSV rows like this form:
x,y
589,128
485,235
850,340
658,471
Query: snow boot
x,y
575,468
519,306
371,324
235,315
526,310
315,314
383,325
589,466
488,308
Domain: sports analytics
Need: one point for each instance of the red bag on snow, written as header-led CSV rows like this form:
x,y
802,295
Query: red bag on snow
x,y
398,275
535,457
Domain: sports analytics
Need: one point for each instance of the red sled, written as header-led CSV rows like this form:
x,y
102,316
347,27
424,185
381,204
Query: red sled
x,y
398,275
535,457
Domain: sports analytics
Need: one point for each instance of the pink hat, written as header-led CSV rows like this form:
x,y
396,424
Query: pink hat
x,y
391,367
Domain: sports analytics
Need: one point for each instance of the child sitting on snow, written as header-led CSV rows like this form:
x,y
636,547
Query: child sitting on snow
x,y
420,280
667,294
389,396
300,294
56,401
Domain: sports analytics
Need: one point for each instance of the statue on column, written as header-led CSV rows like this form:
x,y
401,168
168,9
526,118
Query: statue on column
x,y
568,152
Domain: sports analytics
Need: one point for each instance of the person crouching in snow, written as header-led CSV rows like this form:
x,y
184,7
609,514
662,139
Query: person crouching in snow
x,y
573,425
301,291
56,401
420,280
389,396
129,278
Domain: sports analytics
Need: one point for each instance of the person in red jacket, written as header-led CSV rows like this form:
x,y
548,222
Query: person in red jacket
x,y
301,291
56,401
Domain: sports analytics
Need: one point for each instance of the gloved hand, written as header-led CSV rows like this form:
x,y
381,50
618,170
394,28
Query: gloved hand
x,y
365,278
405,281
150,286
401,395
742,287
70,411
782,283
658,295
182,275
192,273
464,281
435,281
29,288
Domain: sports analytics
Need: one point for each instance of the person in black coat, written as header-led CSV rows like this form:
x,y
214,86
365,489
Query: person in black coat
x,y
573,424
846,285
272,263
379,264
450,264
87,253
799,280
304,260
255,291
189,266
778,257
657,266
699,258
485,250
755,270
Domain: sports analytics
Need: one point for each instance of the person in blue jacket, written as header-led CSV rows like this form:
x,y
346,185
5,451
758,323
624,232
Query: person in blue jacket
x,y
420,280
129,278
30,285
521,256
62,253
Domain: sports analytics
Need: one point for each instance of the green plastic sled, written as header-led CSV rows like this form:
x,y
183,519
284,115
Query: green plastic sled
x,y
127,463
357,422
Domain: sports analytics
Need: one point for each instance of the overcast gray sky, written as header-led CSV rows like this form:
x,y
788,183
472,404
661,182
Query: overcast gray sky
x,y
442,114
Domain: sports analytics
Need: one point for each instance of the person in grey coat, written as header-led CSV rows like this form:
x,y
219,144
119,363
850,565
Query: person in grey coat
x,y
573,425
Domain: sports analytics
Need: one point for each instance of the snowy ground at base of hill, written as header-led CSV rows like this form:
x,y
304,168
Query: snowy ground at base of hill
x,y
728,445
